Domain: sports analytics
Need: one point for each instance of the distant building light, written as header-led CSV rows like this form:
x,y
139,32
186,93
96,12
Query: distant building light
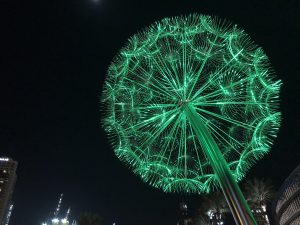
x,y
65,221
9,213
55,220
4,159
44,223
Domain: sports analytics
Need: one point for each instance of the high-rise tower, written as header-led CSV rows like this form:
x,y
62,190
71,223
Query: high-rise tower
x,y
8,179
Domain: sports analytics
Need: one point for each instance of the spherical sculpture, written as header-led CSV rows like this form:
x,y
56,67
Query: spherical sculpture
x,y
180,73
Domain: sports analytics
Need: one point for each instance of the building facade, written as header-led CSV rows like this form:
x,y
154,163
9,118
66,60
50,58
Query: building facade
x,y
8,179
287,206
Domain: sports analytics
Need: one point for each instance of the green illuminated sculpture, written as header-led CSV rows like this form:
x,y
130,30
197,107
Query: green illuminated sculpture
x,y
191,103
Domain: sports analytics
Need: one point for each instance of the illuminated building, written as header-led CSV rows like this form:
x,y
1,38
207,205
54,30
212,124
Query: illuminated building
x,y
260,214
57,219
287,207
215,217
8,179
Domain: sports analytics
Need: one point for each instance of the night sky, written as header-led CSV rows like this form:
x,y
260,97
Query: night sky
x,y
53,61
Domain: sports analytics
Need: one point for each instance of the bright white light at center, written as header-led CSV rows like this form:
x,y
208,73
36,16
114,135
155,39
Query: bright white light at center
x,y
55,220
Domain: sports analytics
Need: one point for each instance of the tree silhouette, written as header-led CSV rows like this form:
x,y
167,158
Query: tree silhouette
x,y
258,193
201,220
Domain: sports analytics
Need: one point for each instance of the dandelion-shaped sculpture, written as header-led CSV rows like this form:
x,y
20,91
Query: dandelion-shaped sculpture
x,y
191,103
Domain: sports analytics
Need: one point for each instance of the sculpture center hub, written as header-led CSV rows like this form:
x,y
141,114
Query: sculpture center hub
x,y
183,102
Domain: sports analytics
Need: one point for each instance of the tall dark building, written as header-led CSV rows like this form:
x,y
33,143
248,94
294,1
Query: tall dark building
x,y
287,206
8,178
184,218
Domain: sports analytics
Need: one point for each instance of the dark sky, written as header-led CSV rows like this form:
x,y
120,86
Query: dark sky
x,y
53,60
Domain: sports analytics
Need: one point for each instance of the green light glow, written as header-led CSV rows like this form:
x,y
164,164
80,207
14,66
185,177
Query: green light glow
x,y
183,87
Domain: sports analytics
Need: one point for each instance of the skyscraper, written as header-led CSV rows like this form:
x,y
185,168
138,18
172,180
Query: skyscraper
x,y
8,178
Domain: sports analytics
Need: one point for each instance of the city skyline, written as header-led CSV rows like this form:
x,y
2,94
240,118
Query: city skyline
x,y
58,217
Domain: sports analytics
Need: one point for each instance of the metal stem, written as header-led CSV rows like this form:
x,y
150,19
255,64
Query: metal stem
x,y
234,197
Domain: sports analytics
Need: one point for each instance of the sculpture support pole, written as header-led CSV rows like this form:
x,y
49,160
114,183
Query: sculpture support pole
x,y
234,197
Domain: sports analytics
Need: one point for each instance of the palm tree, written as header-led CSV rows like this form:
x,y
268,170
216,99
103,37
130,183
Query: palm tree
x,y
258,193
212,210
89,219
201,220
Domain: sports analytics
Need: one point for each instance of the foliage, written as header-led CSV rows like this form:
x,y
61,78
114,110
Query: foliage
x,y
258,192
201,220
195,63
